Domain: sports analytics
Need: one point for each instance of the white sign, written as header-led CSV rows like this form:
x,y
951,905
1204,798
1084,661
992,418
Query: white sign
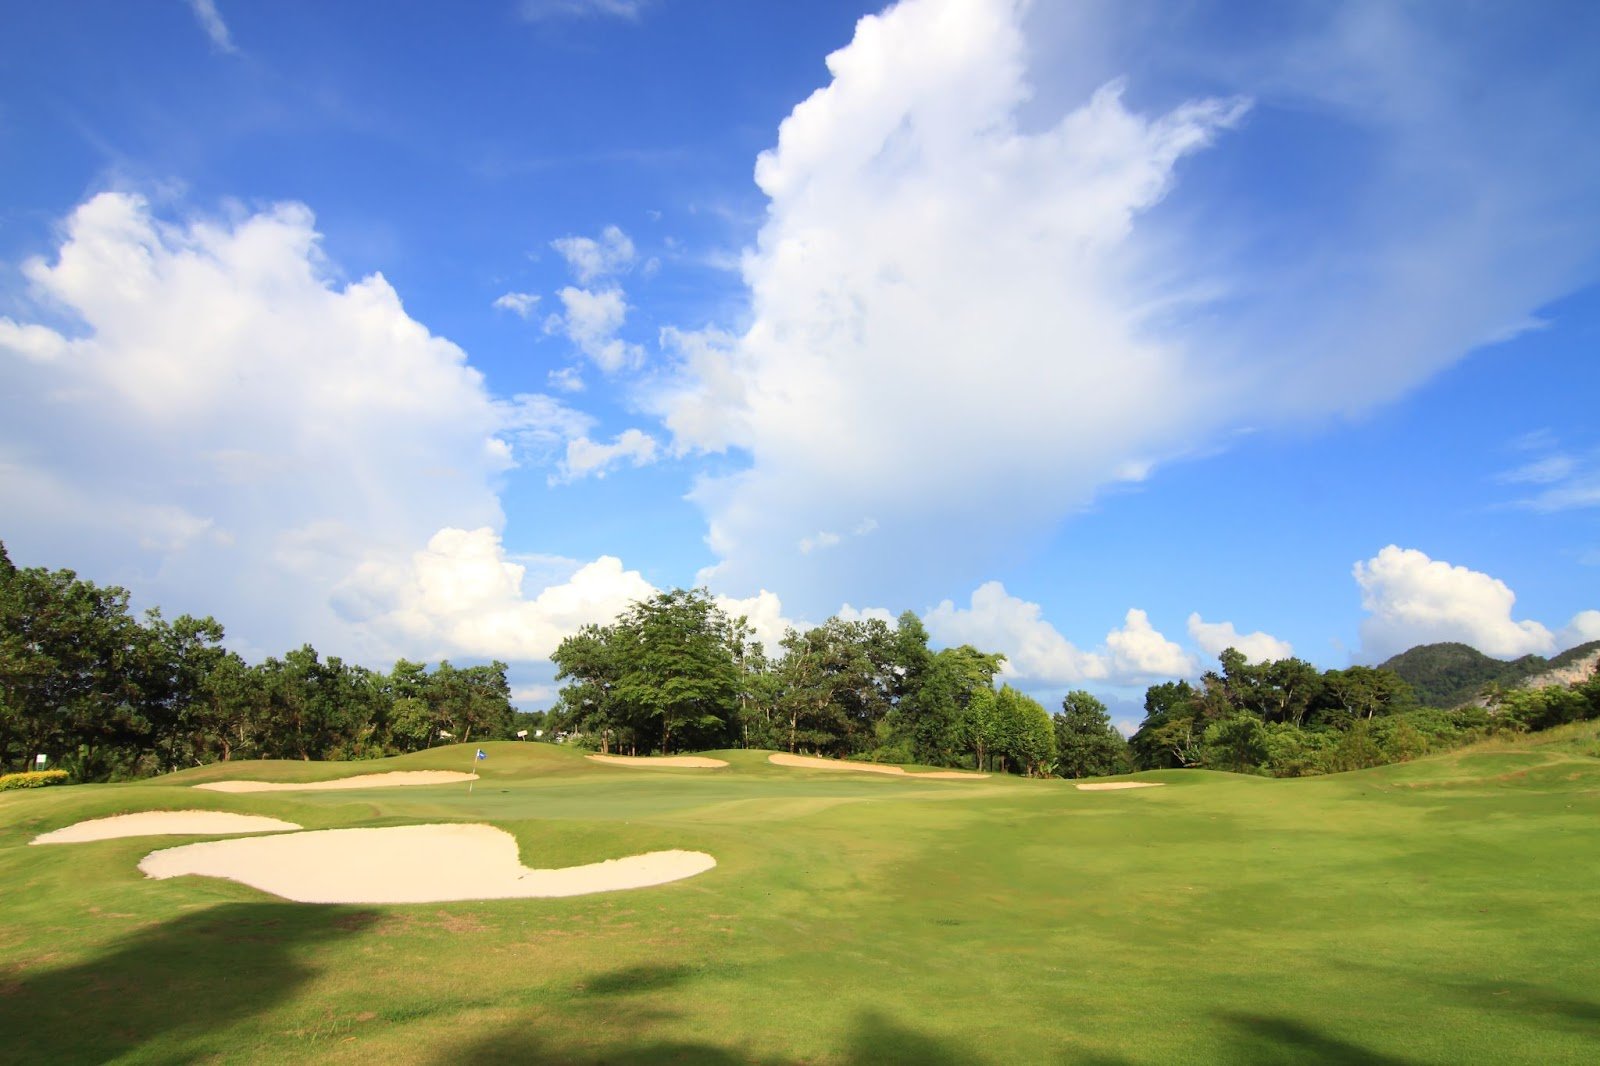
x,y
40,760
442,733
522,734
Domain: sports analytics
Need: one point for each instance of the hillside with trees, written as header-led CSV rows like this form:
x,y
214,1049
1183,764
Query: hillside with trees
x,y
1284,718
1452,674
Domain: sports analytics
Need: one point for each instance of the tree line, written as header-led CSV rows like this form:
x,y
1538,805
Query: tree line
x,y
675,672
1284,718
106,696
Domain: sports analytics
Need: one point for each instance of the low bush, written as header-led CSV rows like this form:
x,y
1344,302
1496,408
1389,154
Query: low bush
x,y
32,779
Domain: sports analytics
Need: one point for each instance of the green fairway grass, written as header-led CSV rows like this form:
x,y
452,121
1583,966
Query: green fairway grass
x,y
1439,911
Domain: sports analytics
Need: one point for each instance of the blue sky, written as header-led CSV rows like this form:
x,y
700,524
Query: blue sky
x,y
1084,331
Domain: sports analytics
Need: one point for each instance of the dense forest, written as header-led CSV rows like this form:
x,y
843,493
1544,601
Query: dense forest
x,y
107,696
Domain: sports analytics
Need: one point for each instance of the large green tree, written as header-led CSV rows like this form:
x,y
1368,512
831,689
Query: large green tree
x,y
666,674
934,714
1087,744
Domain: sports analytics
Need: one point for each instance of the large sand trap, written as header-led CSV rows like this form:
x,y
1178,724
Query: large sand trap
x,y
389,780
163,823
699,761
812,762
1109,786
409,864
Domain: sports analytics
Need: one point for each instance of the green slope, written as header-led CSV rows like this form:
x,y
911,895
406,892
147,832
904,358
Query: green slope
x,y
1437,911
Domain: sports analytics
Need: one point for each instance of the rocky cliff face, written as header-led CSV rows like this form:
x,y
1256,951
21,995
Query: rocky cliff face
x,y
1580,668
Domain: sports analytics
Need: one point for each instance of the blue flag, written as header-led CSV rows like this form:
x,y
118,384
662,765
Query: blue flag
x,y
481,755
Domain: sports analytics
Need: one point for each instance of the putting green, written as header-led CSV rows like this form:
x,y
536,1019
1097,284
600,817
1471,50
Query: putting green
x,y
1439,911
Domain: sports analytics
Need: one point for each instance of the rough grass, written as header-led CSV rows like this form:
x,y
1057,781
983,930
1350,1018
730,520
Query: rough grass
x,y
1439,911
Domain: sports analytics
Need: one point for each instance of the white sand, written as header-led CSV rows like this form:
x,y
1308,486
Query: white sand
x,y
699,761
812,762
163,823
1110,786
395,779
409,864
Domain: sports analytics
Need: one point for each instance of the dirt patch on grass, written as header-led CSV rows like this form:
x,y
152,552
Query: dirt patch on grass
x,y
1114,786
410,864
701,762
163,823
395,779
812,762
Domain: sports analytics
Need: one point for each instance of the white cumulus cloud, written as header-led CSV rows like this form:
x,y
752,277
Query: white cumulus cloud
x,y
994,620
974,304
1035,650
1139,651
927,264
847,613
39,344
1214,638
764,613
1412,599
228,430
1584,627
463,595
590,319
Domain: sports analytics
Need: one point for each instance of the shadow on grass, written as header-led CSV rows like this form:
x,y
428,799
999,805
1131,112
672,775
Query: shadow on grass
x,y
182,980
635,979
1519,997
873,1039
1541,1008
1259,1040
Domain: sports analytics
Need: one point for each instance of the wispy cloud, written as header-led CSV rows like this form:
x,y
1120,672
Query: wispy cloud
x,y
211,22
1544,471
1566,481
1579,492
545,10
592,259
586,457
591,317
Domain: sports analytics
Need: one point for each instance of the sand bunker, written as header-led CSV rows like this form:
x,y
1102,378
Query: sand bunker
x,y
410,864
700,761
812,762
1109,786
163,823
390,780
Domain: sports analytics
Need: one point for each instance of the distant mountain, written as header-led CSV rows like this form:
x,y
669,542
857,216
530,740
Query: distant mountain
x,y
1451,674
